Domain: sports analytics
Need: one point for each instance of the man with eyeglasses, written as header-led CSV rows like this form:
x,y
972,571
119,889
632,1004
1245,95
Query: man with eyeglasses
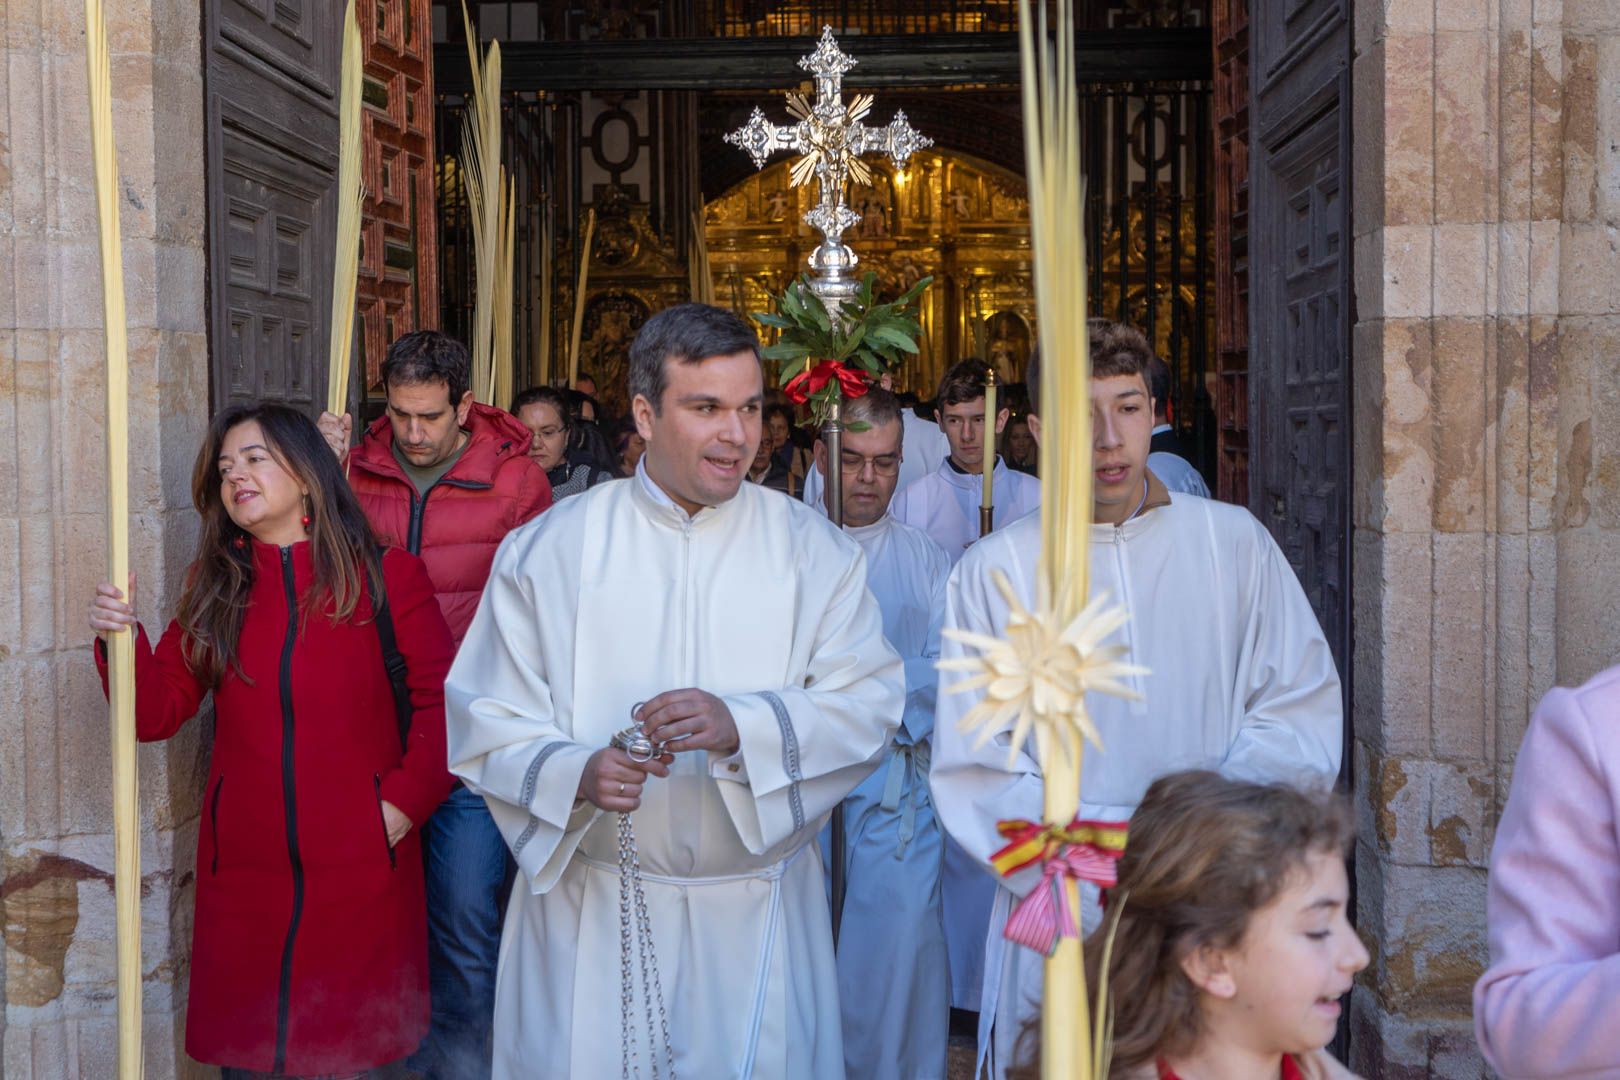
x,y
893,925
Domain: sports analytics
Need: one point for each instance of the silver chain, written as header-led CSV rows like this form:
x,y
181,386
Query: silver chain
x,y
634,922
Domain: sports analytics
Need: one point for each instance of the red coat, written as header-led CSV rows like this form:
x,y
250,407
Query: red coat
x,y
309,950
456,527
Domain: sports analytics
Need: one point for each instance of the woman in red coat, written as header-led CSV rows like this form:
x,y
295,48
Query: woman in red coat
x,y
309,951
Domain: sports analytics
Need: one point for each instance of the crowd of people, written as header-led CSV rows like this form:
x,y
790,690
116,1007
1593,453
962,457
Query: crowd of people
x,y
420,646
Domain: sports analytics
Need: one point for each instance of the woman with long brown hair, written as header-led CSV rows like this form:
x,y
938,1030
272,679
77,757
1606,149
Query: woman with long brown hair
x,y
309,948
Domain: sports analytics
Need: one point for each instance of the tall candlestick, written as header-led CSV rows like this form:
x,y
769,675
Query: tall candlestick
x,y
987,501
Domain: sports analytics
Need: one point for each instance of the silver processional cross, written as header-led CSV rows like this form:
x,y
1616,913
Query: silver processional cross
x,y
832,138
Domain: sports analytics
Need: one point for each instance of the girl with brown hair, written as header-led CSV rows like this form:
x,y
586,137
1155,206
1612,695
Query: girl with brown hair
x,y
1233,947
309,948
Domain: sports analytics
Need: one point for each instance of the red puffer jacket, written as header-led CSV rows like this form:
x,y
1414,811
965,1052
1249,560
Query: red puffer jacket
x,y
309,948
456,527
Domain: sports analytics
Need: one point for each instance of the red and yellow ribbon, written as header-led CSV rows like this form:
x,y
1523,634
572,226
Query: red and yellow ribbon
x,y
1082,850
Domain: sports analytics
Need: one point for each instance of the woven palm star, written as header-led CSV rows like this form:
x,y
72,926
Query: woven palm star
x,y
1039,673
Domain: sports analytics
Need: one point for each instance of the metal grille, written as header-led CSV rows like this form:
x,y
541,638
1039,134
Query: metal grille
x,y
527,131
1147,165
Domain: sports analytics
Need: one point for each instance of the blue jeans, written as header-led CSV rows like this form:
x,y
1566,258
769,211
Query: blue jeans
x,y
469,874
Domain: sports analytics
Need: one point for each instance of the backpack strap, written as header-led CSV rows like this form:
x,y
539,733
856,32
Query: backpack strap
x,y
392,660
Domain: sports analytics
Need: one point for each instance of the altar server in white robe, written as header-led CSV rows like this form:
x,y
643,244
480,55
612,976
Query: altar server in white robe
x,y
945,505
893,932
718,614
1241,678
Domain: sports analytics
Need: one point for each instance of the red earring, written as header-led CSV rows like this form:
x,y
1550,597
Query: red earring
x,y
305,520
239,543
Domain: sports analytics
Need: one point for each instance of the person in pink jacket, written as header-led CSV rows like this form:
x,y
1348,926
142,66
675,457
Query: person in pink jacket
x,y
1547,1006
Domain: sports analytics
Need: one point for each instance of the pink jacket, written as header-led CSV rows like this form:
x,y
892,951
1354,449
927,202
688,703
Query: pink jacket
x,y
1549,1005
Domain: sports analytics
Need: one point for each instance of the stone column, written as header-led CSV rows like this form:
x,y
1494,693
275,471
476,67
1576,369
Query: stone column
x,y
56,907
1487,462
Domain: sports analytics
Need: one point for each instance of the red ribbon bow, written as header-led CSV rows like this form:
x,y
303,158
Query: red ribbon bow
x,y
814,380
1082,851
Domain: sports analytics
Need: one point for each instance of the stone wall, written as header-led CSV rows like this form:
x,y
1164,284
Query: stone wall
x,y
1487,471
56,909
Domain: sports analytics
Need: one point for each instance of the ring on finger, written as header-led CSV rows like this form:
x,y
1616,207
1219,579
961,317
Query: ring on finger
x,y
621,788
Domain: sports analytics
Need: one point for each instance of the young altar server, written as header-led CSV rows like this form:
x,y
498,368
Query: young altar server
x,y
1233,951
756,651
1240,676
893,934
945,503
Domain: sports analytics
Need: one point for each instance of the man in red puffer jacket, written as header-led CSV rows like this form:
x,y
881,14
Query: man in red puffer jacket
x,y
447,478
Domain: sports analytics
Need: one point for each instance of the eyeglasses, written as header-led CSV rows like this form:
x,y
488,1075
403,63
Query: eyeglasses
x,y
884,464
550,432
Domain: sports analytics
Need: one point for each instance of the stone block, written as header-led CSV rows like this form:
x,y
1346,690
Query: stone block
x,y
1509,285
1461,269
1591,16
1430,932
1462,640
1408,271
1509,511
1589,268
1458,16
1465,146
1461,367
1589,350
1367,274
1394,673
1545,441
182,287
1368,138
1579,129
1588,622
1409,129
38,542
1393,804
9,502
1414,17
1396,1047
1545,237
1546,122
1514,133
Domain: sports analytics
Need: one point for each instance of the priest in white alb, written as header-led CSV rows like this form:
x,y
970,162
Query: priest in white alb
x,y
893,933
1240,677
735,626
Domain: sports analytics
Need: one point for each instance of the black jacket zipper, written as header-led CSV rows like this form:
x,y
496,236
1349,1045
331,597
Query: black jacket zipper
x,y
289,799
376,780
413,536
213,821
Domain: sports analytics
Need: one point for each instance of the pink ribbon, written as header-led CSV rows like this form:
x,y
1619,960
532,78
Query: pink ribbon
x,y
1045,916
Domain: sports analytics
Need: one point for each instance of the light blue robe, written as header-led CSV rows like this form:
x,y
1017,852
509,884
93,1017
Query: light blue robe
x,y
893,979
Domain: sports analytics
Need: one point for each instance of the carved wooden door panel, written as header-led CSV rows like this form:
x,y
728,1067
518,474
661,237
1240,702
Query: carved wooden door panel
x,y
1230,33
399,269
271,161
1300,311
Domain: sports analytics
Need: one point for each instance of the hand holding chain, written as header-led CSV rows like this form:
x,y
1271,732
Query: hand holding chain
x,y
634,921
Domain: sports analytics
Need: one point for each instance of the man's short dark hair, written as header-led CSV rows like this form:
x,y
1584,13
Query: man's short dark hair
x,y
964,382
427,356
1119,349
685,334
548,395
875,407
778,409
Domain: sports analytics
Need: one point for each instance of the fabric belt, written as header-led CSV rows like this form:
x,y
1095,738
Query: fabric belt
x,y
908,765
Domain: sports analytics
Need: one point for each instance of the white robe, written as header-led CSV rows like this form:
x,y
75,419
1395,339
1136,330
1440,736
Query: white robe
x,y
601,603
1241,680
945,505
893,933
1177,473
923,446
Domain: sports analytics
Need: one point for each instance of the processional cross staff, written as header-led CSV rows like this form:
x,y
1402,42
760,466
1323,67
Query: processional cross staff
x,y
831,137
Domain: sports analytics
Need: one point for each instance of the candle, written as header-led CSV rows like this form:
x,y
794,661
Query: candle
x,y
987,501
